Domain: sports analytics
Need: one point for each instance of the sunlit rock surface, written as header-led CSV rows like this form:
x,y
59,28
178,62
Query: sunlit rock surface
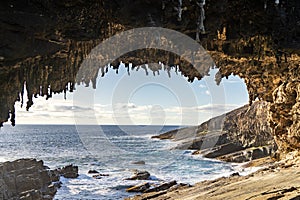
x,y
44,43
240,135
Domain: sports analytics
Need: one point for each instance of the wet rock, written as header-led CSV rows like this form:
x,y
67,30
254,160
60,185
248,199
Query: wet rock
x,y
69,171
139,188
162,187
141,162
54,175
93,172
140,175
235,174
99,176
104,174
57,184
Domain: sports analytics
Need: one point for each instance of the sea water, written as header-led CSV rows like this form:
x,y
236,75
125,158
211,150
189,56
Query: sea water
x,y
110,150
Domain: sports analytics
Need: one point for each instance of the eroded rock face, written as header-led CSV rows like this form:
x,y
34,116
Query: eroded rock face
x,y
285,114
26,179
241,135
31,179
256,40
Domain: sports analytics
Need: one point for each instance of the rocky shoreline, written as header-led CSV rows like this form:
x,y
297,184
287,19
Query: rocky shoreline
x,y
245,138
241,135
30,179
276,180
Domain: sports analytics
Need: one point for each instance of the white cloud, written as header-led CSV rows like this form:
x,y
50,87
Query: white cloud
x,y
60,111
202,86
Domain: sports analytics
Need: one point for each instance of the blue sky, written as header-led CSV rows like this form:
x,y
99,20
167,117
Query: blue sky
x,y
139,99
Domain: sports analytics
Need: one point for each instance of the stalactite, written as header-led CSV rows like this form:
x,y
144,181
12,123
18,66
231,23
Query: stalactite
x,y
200,20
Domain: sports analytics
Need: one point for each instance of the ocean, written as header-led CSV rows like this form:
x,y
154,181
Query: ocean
x,y
110,150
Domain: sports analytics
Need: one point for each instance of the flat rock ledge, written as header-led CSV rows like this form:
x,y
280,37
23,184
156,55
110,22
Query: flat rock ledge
x,y
279,180
29,179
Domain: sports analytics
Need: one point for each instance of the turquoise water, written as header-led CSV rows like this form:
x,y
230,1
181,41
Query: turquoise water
x,y
107,149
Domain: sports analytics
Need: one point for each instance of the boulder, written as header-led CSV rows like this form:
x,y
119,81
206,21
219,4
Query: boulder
x,y
92,171
140,175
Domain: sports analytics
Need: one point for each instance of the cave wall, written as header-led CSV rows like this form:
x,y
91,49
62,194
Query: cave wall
x,y
44,43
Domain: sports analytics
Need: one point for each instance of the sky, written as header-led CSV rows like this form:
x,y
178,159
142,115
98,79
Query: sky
x,y
137,99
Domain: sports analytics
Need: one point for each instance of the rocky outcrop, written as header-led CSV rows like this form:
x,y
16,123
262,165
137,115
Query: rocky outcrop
x,y
139,188
140,175
28,179
238,136
69,171
44,43
276,181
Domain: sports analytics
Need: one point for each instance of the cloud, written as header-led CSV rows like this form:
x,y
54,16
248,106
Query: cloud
x,y
202,86
60,111
207,92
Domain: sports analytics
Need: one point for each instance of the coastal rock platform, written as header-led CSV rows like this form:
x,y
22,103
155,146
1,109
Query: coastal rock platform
x,y
274,181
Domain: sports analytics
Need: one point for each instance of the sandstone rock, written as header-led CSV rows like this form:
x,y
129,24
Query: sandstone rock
x,y
222,150
229,134
161,187
139,188
248,154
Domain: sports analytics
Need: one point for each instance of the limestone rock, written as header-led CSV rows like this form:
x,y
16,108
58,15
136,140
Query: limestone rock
x,y
139,188
259,44
161,187
140,175
235,134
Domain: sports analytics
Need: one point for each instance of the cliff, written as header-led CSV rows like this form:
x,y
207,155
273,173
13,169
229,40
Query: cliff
x,y
44,43
241,135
